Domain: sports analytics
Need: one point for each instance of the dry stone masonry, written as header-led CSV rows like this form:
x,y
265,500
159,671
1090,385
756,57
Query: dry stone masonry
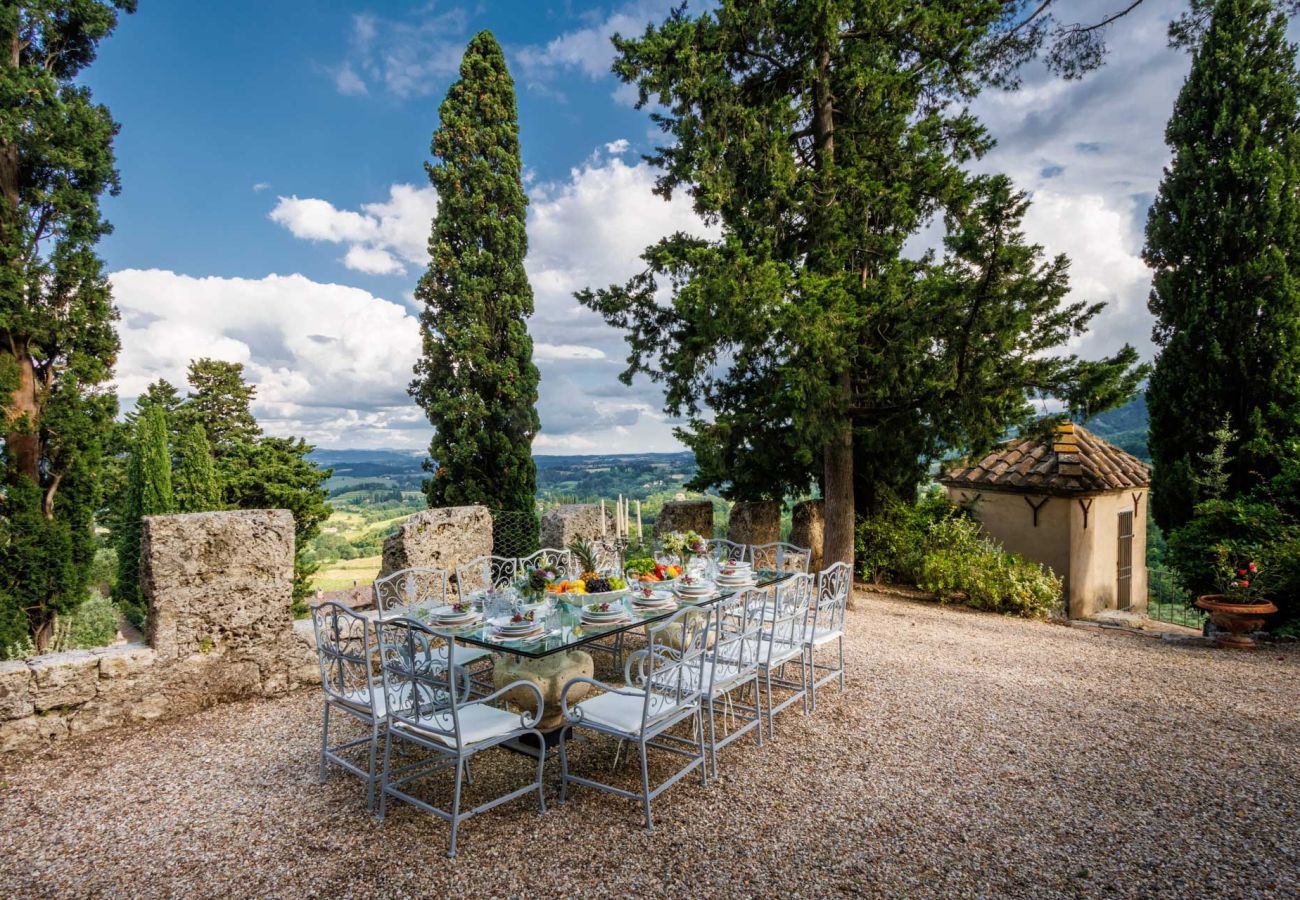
x,y
219,591
807,524
575,520
441,538
686,515
755,522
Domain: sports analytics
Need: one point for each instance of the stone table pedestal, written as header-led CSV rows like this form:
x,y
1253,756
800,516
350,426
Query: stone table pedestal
x,y
550,674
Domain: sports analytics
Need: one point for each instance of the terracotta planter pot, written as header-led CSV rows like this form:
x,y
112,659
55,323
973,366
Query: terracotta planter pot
x,y
1236,621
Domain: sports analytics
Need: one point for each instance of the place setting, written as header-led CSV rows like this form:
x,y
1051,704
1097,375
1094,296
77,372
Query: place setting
x,y
734,575
650,599
456,615
694,589
604,614
518,627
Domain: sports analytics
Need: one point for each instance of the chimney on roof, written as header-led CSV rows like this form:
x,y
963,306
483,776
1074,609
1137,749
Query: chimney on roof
x,y
1066,448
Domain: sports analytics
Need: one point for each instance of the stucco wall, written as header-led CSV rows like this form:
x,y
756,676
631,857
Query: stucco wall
x,y
1085,559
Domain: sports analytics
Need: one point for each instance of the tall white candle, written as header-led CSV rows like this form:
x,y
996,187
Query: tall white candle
x,y
602,516
640,536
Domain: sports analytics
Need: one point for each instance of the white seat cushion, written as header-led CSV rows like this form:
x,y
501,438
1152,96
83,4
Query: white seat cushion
x,y
622,712
359,698
478,722
820,636
782,652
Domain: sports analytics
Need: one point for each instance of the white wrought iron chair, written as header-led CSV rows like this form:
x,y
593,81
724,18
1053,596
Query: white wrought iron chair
x,y
548,557
826,624
414,594
486,573
782,644
344,648
425,709
731,664
721,549
665,685
781,557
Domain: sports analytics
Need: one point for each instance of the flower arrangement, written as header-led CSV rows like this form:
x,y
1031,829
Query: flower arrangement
x,y
684,546
1239,579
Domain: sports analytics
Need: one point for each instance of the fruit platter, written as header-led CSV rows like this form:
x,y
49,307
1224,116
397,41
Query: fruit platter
x,y
590,586
649,571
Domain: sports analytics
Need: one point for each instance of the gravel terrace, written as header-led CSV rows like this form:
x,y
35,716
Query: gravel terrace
x,y
973,755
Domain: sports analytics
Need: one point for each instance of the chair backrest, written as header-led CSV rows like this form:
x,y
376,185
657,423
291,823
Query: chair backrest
x,y
781,557
738,623
721,549
833,586
486,573
608,557
789,616
343,646
420,682
548,558
671,670
411,592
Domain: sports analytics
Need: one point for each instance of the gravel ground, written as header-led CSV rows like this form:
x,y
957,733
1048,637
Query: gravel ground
x,y
972,756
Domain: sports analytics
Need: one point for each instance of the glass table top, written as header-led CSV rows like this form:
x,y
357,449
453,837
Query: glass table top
x,y
567,631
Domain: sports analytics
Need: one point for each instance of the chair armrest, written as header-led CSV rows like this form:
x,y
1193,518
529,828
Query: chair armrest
x,y
526,717
608,688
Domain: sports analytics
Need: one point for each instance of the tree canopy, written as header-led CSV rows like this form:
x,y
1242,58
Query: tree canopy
x,y
804,345
476,379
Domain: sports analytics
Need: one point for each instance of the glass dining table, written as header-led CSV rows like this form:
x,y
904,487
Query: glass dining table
x,y
565,629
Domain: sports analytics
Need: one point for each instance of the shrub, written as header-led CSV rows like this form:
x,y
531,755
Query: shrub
x,y
888,545
92,624
958,563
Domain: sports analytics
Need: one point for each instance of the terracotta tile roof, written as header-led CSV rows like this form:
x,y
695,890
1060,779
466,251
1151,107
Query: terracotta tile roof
x,y
1072,461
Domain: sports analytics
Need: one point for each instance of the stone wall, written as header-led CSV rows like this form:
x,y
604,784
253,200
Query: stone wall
x,y
686,515
219,590
575,520
755,523
807,527
441,538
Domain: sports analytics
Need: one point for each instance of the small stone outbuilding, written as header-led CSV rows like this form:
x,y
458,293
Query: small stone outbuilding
x,y
1072,502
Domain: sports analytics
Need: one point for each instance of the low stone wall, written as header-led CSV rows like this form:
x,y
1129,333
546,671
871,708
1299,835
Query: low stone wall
x,y
807,529
755,522
685,515
575,520
219,587
442,538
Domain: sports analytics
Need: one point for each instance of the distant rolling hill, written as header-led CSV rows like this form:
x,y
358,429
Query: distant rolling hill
x,y
1125,427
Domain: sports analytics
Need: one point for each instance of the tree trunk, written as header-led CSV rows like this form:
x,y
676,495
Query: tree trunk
x,y
837,491
23,443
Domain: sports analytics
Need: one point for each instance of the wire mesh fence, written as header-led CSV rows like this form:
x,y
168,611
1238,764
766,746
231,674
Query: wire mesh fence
x,y
515,533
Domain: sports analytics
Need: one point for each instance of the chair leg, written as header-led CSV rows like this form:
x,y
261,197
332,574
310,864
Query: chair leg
x,y
645,786
324,739
371,772
713,741
771,726
810,692
541,764
758,711
704,761
564,762
455,810
383,783
841,663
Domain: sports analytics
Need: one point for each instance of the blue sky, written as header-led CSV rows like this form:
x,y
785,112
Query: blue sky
x,y
275,207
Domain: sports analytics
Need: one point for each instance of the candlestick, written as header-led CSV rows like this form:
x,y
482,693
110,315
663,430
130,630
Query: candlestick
x,y
602,516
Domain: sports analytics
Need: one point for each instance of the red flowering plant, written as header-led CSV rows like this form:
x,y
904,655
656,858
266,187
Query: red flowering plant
x,y
1239,575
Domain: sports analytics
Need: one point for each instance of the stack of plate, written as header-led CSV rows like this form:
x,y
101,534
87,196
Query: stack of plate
x,y
453,617
694,590
509,630
653,600
732,576
613,614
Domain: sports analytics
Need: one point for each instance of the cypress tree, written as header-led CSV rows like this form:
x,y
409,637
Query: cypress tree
x,y
57,340
1223,241
476,379
195,475
148,493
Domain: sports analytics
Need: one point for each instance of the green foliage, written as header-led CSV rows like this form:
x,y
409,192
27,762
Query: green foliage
x,y
92,624
476,379
1223,238
148,493
57,339
959,563
890,544
274,473
195,476
802,344
221,401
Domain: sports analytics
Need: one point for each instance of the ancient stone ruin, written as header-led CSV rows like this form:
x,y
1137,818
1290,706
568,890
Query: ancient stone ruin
x,y
442,538
686,515
575,520
755,522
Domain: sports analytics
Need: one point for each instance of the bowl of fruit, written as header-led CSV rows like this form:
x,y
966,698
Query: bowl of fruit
x,y
591,586
648,571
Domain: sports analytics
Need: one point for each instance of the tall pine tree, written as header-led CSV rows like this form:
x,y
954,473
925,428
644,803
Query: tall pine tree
x,y
57,340
1223,239
221,401
803,344
148,493
195,474
476,379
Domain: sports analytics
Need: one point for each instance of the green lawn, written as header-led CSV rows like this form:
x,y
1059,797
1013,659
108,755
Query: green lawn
x,y
345,572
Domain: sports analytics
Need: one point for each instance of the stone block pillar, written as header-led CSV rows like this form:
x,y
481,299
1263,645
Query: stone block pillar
x,y
563,524
442,538
807,527
686,515
755,522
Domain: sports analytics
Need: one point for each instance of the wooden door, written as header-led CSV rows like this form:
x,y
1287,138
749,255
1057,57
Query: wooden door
x,y
1124,573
